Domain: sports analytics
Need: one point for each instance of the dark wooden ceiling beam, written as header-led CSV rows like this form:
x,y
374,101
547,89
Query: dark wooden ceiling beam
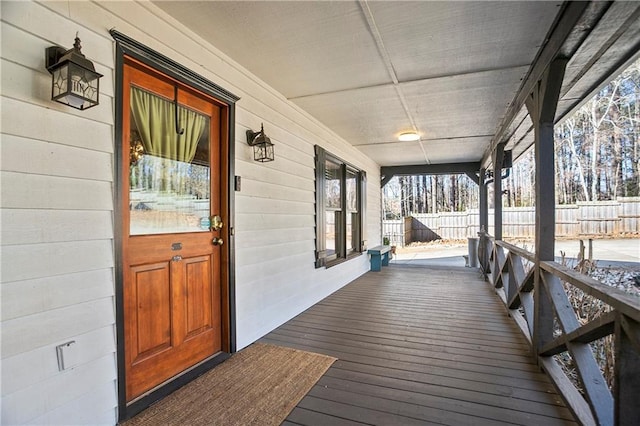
x,y
571,29
470,169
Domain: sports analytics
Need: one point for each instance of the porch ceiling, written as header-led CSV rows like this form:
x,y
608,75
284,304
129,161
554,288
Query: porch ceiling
x,y
451,71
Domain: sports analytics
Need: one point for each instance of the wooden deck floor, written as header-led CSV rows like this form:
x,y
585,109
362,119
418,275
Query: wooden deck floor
x,y
419,346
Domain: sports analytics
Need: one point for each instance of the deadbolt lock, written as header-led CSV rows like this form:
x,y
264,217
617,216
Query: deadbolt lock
x,y
216,223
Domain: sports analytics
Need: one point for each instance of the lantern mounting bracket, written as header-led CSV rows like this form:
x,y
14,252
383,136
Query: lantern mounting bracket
x,y
252,137
53,55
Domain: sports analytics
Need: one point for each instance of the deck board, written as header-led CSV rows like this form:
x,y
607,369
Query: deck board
x,y
419,346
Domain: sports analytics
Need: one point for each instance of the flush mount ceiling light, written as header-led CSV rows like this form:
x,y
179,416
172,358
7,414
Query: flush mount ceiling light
x,y
408,136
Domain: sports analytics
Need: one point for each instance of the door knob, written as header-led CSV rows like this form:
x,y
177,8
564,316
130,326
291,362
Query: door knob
x,y
217,241
216,223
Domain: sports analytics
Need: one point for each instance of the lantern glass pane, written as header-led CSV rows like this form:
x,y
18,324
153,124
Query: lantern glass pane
x,y
263,152
84,83
60,82
75,86
257,152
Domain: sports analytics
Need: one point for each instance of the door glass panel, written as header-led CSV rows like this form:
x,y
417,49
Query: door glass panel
x,y
169,173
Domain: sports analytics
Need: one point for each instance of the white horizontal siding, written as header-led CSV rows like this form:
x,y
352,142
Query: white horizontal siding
x,y
20,119
258,205
272,174
24,190
45,158
35,366
262,189
374,209
249,239
58,201
23,262
31,296
28,403
258,222
24,334
85,410
57,230
25,226
277,252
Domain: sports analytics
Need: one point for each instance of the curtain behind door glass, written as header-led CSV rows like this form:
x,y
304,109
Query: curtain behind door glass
x,y
155,120
169,187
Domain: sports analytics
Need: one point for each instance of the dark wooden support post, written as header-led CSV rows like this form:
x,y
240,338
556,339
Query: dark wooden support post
x,y
484,201
542,105
498,156
627,371
483,251
483,244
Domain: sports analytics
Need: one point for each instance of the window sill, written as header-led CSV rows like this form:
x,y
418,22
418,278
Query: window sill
x,y
342,259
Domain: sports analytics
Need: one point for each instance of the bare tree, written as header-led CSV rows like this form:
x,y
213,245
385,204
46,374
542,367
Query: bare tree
x,y
597,157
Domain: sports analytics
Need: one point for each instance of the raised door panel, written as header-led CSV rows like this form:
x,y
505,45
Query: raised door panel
x,y
151,310
198,298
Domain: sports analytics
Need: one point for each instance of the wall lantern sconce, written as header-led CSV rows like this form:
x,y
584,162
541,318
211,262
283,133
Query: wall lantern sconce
x,y
262,146
74,80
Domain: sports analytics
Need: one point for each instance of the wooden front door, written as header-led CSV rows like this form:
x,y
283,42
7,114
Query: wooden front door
x,y
173,203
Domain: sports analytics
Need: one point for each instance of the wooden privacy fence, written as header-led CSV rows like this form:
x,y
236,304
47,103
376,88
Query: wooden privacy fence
x,y
536,295
615,218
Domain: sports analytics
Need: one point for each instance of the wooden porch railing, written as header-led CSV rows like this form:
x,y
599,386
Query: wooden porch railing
x,y
537,300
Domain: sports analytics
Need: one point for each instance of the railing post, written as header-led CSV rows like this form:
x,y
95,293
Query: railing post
x,y
541,105
627,371
482,251
484,201
498,156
